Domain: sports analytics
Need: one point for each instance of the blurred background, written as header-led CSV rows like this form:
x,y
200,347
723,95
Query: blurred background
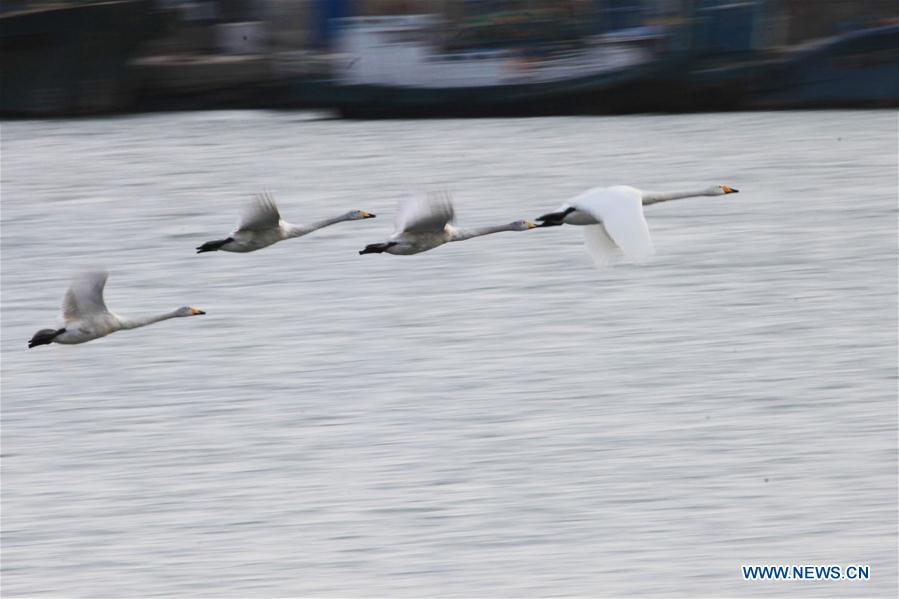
x,y
441,58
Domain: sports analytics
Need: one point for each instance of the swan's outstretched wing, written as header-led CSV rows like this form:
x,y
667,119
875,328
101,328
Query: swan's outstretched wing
x,y
84,298
620,210
418,214
600,246
260,214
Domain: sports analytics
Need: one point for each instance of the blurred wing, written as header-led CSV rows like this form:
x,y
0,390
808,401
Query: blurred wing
x,y
84,297
260,214
419,214
600,246
620,210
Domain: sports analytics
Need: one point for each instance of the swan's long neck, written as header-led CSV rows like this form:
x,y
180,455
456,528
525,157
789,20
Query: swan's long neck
x,y
299,230
133,323
654,197
463,234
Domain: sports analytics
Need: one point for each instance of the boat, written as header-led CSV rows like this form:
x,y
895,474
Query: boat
x,y
402,66
50,67
859,69
717,56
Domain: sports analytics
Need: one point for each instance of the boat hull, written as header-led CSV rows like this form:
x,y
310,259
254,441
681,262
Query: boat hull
x,y
620,91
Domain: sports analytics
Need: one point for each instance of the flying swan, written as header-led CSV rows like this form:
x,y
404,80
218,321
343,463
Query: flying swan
x,y
86,317
423,223
261,225
613,216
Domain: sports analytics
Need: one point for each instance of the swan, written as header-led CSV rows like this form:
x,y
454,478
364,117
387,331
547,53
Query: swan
x,y
614,220
86,317
261,225
423,223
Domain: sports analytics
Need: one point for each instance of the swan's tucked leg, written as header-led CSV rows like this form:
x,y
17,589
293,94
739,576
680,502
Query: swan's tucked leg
x,y
377,248
554,219
45,336
211,246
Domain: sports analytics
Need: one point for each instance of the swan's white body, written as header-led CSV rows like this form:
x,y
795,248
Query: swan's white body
x,y
613,221
86,317
424,223
261,225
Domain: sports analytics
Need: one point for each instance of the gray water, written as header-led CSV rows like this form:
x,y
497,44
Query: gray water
x,y
491,418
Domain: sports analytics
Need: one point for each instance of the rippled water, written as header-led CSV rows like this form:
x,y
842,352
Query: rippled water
x,y
492,418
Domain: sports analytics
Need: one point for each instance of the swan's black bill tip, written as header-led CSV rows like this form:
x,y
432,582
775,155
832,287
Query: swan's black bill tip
x,y
370,215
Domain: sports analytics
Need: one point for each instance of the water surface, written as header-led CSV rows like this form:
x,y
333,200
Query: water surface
x,y
492,418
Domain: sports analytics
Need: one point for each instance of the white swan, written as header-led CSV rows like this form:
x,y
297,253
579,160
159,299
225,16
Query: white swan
x,y
86,317
261,225
614,219
423,223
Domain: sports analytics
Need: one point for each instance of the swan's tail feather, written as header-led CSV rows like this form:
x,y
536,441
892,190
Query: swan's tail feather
x,y
211,246
377,248
45,337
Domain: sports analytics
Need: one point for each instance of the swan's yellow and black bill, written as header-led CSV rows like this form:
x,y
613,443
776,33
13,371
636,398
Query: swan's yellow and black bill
x,y
368,214
531,225
729,189
196,311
